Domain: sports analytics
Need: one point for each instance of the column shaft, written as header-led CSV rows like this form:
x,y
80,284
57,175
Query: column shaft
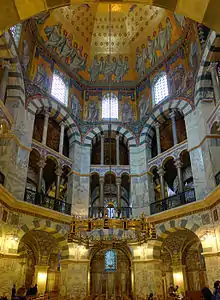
x,y
158,138
4,80
178,164
102,149
62,128
118,184
44,137
101,194
117,151
175,138
41,164
58,173
215,81
161,173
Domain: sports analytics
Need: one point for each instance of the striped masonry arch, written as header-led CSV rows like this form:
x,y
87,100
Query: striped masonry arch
x,y
203,86
57,231
15,85
58,112
160,112
121,130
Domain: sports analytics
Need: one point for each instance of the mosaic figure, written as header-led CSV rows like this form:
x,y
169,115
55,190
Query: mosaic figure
x,y
25,58
41,78
121,68
93,113
94,70
143,106
127,112
75,106
54,37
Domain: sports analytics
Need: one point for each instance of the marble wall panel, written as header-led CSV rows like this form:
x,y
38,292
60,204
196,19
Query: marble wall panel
x,y
148,279
74,279
12,272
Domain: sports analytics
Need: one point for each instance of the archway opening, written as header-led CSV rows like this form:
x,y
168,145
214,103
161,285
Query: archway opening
x,y
110,274
183,264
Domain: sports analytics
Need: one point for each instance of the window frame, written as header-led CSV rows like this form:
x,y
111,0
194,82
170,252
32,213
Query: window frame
x,y
62,78
107,97
109,270
155,81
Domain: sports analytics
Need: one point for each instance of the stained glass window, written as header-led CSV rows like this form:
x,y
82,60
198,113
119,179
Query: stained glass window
x,y
110,106
59,89
110,261
160,89
16,33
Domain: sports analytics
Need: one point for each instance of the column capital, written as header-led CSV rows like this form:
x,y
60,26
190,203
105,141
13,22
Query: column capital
x,y
42,162
213,66
161,171
62,124
101,179
178,163
46,113
5,64
59,171
118,180
172,114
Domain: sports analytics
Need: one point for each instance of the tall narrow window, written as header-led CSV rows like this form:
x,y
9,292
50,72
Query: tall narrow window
x,y
60,88
160,89
110,106
110,261
16,33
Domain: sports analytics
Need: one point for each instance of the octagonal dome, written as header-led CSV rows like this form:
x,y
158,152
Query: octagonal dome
x,y
115,43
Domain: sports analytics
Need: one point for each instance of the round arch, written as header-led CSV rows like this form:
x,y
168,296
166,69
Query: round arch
x,y
121,130
58,112
183,105
15,85
203,84
58,232
20,11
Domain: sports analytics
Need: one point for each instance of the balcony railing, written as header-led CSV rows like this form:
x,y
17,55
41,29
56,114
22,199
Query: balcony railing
x,y
99,212
47,202
187,196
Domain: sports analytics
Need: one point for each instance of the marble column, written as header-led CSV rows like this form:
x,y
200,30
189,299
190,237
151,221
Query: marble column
x,y
46,119
161,173
4,80
118,185
41,278
172,117
215,81
62,128
58,172
102,149
117,150
101,193
157,127
178,164
41,164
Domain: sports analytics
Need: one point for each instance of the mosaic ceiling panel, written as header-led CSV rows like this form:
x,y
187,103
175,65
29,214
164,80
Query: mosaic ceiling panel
x,y
110,42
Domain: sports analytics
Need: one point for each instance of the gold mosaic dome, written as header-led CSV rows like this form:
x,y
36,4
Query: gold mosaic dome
x,y
92,38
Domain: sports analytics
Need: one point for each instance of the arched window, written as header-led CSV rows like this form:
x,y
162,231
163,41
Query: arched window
x,y
16,33
60,89
110,106
110,261
160,89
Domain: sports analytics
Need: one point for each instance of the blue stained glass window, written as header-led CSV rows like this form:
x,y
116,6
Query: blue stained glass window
x,y
110,261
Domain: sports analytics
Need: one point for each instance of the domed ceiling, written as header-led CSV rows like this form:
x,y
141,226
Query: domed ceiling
x,y
115,43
